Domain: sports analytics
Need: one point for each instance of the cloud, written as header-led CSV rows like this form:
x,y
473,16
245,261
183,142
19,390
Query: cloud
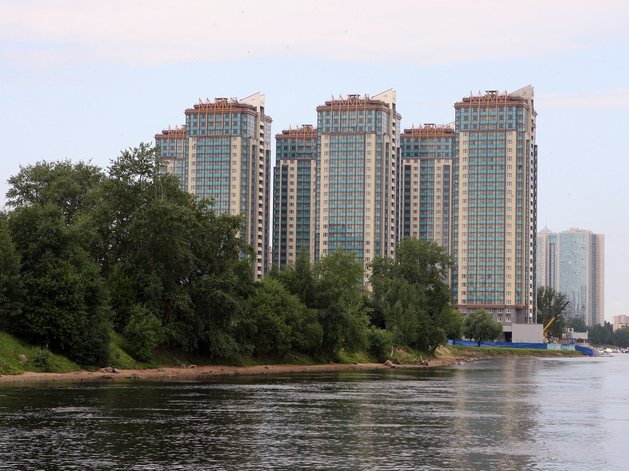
x,y
592,101
156,32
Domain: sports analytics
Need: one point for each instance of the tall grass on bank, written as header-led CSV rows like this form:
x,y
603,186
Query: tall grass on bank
x,y
10,363
510,352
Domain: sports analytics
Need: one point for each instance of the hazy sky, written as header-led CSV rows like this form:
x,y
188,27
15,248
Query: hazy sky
x,y
83,80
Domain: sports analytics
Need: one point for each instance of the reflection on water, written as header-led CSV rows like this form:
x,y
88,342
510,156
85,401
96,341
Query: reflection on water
x,y
496,414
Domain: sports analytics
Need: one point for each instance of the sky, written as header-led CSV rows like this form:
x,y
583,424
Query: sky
x,y
85,80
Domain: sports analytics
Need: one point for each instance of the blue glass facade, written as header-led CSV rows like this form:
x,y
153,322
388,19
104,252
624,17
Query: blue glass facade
x,y
572,262
294,195
495,203
223,154
427,175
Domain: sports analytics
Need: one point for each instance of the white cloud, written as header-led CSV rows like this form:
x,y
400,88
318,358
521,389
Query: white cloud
x,y
158,32
592,101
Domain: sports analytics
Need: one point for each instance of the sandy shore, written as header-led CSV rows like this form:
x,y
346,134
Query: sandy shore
x,y
207,371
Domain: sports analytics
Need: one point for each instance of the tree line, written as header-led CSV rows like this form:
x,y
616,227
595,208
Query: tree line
x,y
550,303
86,251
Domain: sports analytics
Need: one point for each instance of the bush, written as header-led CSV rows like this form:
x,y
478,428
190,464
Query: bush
x,y
41,358
143,333
380,343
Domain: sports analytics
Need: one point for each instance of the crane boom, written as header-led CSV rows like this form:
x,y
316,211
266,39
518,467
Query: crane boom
x,y
555,317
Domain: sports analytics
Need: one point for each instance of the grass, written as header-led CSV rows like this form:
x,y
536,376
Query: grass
x,y
353,358
10,363
11,348
510,352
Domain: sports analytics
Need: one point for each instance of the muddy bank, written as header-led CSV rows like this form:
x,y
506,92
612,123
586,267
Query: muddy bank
x,y
196,372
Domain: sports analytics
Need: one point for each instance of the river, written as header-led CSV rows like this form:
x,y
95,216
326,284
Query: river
x,y
499,414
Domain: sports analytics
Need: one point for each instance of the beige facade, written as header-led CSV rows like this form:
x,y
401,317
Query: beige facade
x,y
495,204
294,195
426,177
621,321
223,153
357,187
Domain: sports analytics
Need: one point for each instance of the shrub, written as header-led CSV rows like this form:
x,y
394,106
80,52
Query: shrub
x,y
380,343
143,333
42,357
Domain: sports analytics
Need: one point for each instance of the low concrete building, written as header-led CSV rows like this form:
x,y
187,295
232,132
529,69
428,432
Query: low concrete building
x,y
528,333
570,336
620,321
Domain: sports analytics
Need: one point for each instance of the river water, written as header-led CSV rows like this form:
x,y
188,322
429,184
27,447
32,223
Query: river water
x,y
499,414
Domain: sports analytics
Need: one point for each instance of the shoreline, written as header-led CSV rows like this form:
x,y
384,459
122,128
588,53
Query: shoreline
x,y
193,372
209,371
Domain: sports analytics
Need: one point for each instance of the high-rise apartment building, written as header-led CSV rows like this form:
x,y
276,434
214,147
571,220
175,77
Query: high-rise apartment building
x,y
358,191
294,195
573,263
495,205
426,173
337,185
224,153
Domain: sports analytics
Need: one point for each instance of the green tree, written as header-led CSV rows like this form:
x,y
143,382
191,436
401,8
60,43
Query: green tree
x,y
577,324
452,323
420,266
123,288
480,326
549,303
171,254
381,343
143,333
65,304
601,334
274,314
299,278
404,317
340,301
67,186
621,337
11,289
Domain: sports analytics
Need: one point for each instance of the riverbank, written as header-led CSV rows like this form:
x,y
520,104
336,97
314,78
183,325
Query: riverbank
x,y
198,372
449,356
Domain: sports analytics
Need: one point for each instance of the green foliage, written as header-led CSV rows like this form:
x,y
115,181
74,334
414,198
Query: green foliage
x,y
577,324
11,347
381,343
123,287
299,279
549,303
404,317
270,313
64,185
601,334
621,337
143,333
411,296
452,324
41,358
65,302
86,255
11,287
340,300
480,326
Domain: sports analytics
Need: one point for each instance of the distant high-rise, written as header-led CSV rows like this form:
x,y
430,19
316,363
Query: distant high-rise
x,y
573,263
495,204
224,153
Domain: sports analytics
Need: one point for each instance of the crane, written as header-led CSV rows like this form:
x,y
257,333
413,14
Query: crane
x,y
555,317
